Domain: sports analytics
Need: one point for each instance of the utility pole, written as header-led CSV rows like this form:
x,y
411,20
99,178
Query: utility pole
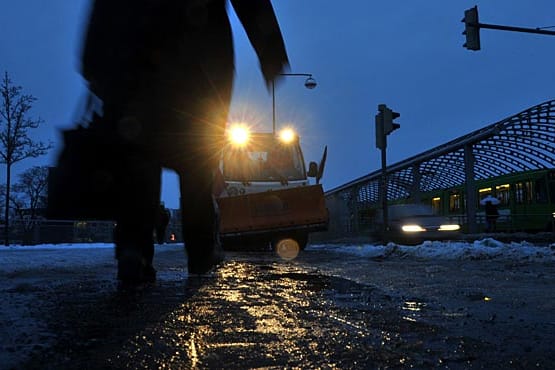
x,y
473,25
384,126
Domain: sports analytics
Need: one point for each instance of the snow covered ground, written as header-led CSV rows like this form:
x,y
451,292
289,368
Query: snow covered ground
x,y
25,271
17,258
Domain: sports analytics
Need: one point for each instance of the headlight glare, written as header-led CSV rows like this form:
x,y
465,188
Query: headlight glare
x,y
287,135
412,228
453,227
239,134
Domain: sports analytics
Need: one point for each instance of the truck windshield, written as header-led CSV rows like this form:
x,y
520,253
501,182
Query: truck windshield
x,y
264,160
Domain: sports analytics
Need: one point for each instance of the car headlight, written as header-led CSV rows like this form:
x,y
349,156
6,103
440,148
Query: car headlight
x,y
453,227
412,228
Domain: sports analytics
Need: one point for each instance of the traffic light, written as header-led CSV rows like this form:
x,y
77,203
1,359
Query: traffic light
x,y
471,29
388,124
385,125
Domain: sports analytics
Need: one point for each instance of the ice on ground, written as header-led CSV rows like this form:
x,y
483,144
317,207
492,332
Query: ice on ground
x,y
23,275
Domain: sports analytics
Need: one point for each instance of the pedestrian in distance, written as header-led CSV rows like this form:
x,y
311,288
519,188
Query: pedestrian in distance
x,y
164,72
492,214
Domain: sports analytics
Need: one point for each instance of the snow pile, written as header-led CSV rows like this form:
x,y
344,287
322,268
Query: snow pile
x,y
15,258
478,250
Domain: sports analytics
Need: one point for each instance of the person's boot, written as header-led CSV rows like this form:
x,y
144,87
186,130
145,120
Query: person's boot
x,y
133,269
201,259
130,266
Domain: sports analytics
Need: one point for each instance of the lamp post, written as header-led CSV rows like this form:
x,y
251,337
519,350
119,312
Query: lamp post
x,y
309,83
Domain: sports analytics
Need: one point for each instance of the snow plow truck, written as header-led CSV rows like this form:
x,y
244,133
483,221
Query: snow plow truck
x,y
266,198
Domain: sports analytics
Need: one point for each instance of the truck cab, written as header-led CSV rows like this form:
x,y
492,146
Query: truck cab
x,y
263,162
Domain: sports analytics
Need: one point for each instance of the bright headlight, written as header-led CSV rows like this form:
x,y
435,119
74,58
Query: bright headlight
x,y
287,135
412,228
239,135
449,227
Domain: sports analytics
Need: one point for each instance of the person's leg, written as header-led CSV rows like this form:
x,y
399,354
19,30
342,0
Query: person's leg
x,y
188,138
200,220
139,194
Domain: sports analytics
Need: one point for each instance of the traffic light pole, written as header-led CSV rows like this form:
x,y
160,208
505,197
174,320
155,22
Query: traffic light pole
x,y
384,126
514,29
383,192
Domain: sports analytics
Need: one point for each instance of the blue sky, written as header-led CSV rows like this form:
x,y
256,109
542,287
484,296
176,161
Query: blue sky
x,y
406,54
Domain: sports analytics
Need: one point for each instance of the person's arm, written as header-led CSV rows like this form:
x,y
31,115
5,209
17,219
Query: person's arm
x,y
262,28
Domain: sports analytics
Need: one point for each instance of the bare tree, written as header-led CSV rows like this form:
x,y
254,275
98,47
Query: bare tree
x,y
15,143
30,195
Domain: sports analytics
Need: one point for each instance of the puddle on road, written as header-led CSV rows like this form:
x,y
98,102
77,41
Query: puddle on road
x,y
282,315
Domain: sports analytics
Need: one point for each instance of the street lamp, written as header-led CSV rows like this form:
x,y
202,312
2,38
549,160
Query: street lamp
x,y
309,83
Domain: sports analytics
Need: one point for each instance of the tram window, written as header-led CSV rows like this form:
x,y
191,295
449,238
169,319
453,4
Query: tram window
x,y
528,191
523,192
503,193
454,202
541,191
436,204
552,192
519,193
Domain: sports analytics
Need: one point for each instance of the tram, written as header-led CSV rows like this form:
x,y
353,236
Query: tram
x,y
526,200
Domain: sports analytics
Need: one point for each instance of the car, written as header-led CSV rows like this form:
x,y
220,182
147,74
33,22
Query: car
x,y
416,223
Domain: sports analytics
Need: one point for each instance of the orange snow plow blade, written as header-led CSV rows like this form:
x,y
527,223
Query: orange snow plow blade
x,y
299,207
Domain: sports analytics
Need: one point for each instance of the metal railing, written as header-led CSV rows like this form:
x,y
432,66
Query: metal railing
x,y
42,231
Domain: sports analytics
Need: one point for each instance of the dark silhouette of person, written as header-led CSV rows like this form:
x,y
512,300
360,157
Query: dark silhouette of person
x,y
161,223
164,72
491,216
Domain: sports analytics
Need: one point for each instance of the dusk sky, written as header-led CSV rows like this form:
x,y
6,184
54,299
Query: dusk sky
x,y
406,54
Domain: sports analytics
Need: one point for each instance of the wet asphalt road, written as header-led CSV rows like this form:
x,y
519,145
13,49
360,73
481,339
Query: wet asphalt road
x,y
320,310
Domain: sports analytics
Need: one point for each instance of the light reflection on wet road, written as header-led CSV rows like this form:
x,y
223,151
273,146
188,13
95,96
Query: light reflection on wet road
x,y
256,311
267,314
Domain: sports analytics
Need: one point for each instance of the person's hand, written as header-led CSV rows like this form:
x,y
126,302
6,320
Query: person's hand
x,y
272,73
